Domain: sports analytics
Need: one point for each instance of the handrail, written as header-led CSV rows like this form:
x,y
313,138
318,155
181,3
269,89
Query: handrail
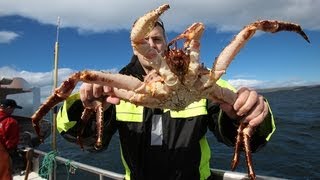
x,y
86,167
217,173
231,175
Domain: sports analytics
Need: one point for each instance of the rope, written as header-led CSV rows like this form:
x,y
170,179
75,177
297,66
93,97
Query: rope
x,y
70,168
47,165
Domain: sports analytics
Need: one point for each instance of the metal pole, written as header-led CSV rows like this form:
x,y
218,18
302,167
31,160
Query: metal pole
x,y
55,82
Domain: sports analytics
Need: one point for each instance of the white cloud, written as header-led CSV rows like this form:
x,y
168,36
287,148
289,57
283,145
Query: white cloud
x,y
43,80
258,84
237,83
225,15
7,36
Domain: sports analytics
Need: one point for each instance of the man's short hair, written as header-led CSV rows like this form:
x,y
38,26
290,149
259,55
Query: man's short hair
x,y
160,23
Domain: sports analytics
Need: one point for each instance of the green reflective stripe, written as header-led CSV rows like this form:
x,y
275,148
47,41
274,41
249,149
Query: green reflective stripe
x,y
63,122
126,167
194,109
220,118
268,125
128,112
225,84
204,168
272,123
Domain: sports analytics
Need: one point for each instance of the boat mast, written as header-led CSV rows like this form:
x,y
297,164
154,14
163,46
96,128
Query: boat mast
x,y
55,81
55,109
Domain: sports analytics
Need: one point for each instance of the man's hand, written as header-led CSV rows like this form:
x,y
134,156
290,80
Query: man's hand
x,y
249,106
90,92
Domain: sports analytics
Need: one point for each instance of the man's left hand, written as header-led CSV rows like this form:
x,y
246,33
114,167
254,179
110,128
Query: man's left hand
x,y
249,107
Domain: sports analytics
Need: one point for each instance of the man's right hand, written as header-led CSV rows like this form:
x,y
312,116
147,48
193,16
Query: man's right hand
x,y
90,92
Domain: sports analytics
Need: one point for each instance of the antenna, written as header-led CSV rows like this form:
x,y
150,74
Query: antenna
x,y
55,109
58,28
55,81
56,53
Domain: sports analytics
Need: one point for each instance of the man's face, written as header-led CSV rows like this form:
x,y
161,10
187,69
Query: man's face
x,y
8,110
156,40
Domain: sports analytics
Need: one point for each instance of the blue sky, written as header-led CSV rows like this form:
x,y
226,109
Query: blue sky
x,y
94,34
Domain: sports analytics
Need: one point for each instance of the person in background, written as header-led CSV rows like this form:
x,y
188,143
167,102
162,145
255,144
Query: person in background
x,y
158,144
9,136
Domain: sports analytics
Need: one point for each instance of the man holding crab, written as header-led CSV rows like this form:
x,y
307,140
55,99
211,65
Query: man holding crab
x,y
163,144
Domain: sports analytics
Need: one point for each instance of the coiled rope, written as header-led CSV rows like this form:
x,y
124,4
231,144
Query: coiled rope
x,y
49,162
47,165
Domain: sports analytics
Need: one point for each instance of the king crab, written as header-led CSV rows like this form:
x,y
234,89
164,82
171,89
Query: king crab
x,y
178,78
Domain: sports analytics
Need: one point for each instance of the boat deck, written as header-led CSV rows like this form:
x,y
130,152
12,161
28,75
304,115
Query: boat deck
x,y
31,176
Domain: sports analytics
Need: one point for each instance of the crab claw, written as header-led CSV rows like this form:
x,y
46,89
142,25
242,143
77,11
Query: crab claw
x,y
227,55
184,63
194,32
141,28
59,95
145,24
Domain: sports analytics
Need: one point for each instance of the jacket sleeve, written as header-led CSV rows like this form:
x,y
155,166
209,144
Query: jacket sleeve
x,y
12,134
225,129
69,123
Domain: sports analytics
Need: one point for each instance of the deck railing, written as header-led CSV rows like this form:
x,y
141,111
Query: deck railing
x,y
102,173
85,167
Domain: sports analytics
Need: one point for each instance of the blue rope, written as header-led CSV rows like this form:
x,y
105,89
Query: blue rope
x,y
47,165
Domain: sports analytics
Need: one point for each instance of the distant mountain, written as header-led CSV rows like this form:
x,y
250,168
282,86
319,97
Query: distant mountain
x,y
267,90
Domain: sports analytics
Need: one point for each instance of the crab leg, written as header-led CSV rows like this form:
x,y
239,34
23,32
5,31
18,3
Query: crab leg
x,y
86,114
99,122
221,64
145,24
237,147
99,106
192,37
226,56
191,34
141,29
222,94
137,98
66,88
243,142
247,132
